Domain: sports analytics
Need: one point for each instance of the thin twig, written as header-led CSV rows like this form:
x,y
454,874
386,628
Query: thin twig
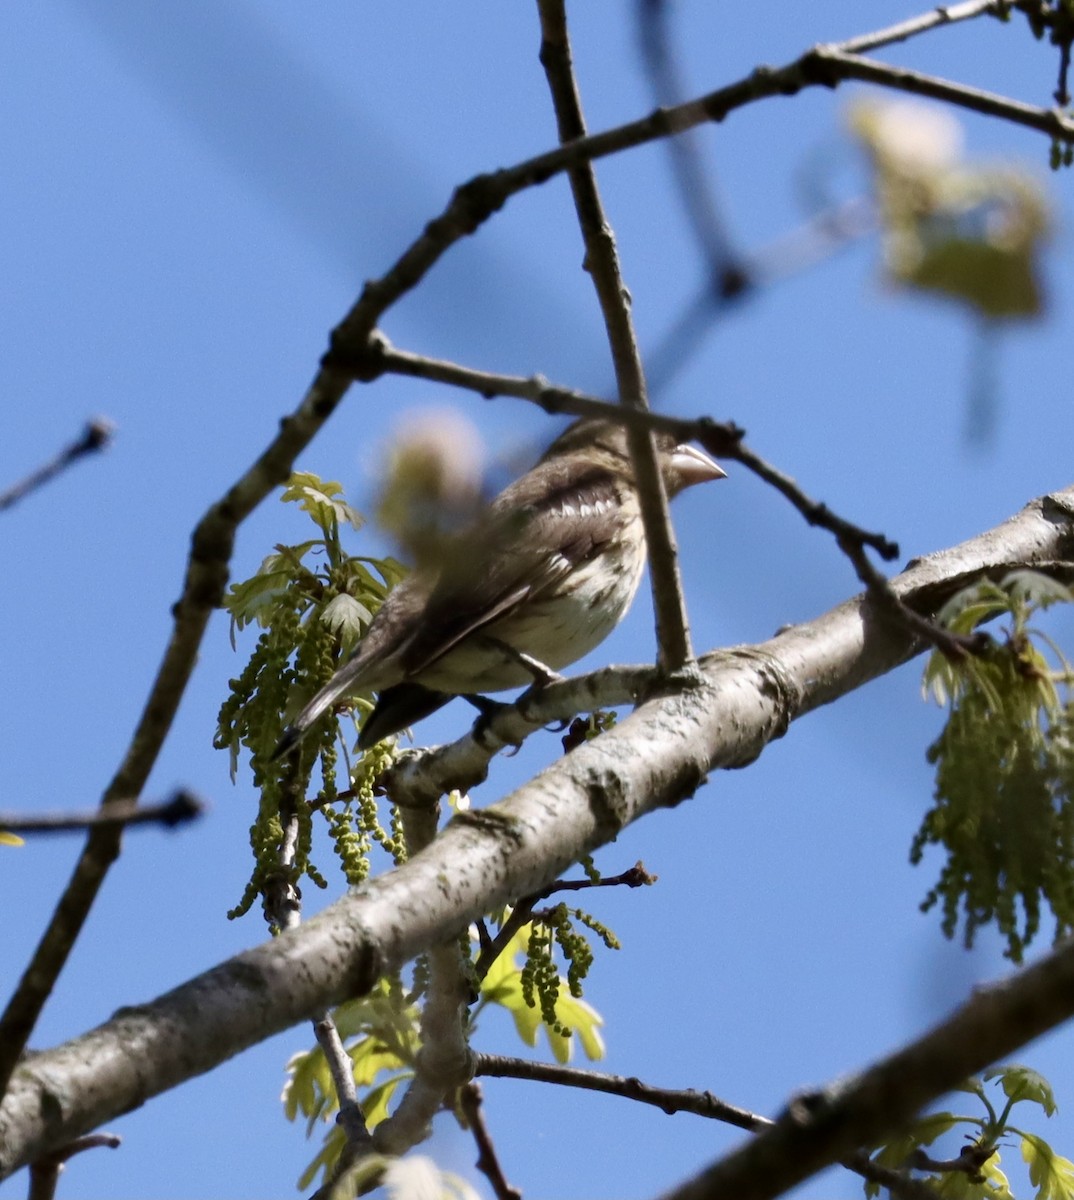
x,y
832,65
522,912
669,1100
727,277
182,806
952,645
944,14
602,263
96,435
45,1172
723,439
488,1161
350,1117
683,1100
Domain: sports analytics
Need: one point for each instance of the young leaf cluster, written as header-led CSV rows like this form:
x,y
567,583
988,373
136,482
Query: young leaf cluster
x,y
974,1174
1004,793
312,603
383,1032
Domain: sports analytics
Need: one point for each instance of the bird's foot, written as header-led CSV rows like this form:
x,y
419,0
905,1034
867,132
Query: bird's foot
x,y
542,675
488,710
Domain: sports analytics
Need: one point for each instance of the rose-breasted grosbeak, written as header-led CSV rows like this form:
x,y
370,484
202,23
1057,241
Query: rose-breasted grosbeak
x,y
539,580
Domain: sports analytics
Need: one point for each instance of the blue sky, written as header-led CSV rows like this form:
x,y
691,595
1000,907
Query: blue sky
x,y
194,194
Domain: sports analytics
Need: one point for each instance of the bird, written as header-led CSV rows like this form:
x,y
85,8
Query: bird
x,y
538,580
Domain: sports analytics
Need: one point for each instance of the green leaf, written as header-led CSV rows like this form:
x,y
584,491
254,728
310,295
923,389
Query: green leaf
x,y
923,1132
348,619
957,1185
583,1020
375,1102
1022,1083
1035,589
326,1158
1050,1173
321,499
254,598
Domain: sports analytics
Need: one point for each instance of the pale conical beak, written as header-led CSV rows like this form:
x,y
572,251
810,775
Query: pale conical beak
x,y
694,466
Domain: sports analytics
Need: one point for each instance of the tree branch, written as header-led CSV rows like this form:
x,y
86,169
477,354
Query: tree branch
x,y
45,1172
488,1161
182,806
602,263
668,1100
656,757
444,1060
818,1129
97,435
823,66
687,1100
944,14
203,588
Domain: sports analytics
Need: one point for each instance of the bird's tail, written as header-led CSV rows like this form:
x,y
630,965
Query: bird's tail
x,y
341,684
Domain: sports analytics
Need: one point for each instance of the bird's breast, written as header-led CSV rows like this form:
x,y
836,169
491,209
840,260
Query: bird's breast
x,y
556,627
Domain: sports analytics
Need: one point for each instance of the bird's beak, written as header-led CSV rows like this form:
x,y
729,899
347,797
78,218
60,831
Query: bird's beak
x,y
694,466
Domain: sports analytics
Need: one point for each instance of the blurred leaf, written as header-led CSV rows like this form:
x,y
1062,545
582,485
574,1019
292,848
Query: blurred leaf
x,y
1022,1083
10,839
958,1185
1050,1173
969,232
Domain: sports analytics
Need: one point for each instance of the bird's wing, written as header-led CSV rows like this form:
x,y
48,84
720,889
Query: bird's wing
x,y
360,670
536,533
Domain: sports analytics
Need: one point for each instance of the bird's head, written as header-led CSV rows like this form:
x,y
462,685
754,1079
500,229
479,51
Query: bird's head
x,y
681,464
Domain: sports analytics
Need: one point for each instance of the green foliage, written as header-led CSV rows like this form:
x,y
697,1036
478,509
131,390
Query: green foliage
x,y
974,1174
1004,762
509,985
312,603
383,1032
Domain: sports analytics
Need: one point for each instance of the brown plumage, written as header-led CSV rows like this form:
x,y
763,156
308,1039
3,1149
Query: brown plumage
x,y
548,571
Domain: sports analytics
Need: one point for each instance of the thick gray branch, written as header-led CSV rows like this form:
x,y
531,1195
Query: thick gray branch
x,y
657,757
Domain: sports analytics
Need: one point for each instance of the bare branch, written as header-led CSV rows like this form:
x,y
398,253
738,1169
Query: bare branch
x,y
97,435
723,439
684,1100
350,1117
602,263
668,1100
488,1161
824,66
522,911
182,806
832,65
45,1173
944,14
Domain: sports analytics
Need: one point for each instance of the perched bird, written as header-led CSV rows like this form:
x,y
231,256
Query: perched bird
x,y
540,579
